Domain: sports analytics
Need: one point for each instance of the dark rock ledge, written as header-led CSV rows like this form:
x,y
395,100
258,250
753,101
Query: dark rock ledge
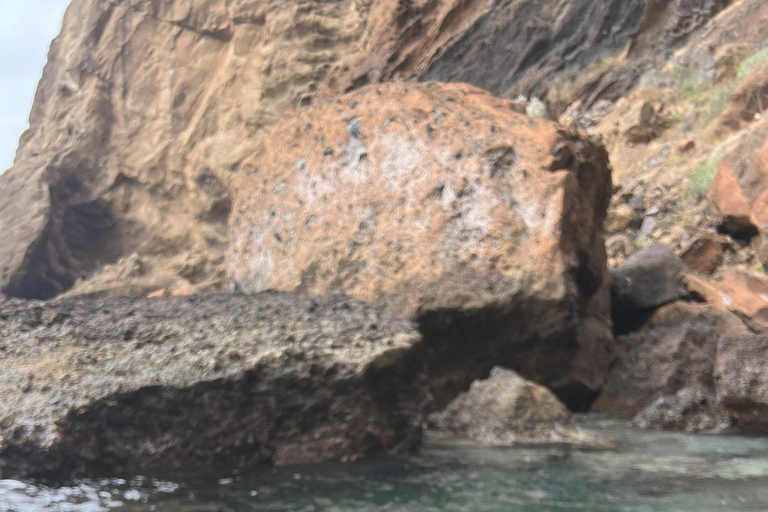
x,y
90,388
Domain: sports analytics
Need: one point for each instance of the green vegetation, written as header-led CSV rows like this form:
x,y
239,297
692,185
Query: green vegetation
x,y
709,102
701,178
752,63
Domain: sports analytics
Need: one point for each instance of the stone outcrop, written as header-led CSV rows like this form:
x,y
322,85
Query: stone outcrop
x,y
146,110
675,351
742,380
444,204
120,385
739,191
506,410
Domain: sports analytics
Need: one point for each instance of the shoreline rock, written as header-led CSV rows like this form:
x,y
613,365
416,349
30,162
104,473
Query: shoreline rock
x,y
102,387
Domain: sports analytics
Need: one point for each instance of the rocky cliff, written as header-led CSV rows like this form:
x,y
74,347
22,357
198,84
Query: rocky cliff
x,y
147,109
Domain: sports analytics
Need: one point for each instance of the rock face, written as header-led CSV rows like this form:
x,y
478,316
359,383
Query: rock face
x,y
506,409
146,109
127,385
739,191
742,380
675,351
446,205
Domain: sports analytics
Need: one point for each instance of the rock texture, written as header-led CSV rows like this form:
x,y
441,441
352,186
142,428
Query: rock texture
x,y
445,205
124,385
648,279
742,380
675,351
739,191
146,109
506,410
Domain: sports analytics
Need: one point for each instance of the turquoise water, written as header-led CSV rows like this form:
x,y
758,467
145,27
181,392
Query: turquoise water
x,y
649,471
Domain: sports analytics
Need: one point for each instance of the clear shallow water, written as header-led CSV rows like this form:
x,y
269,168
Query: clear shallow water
x,y
654,472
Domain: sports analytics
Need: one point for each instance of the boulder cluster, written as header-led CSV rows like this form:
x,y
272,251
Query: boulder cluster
x,y
287,232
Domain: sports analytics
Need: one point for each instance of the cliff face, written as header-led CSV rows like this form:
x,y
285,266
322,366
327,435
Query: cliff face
x,y
146,109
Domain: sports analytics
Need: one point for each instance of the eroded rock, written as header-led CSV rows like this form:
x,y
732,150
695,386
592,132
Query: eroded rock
x,y
742,380
675,350
128,385
450,208
505,410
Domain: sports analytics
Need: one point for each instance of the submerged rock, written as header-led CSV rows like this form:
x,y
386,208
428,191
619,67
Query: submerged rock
x,y
451,209
127,385
506,409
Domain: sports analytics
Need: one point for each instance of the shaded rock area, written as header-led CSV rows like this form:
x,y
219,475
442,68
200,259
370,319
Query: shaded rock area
x,y
664,373
742,380
126,385
648,279
442,203
506,410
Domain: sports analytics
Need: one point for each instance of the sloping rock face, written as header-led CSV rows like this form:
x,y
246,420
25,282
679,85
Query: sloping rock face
x,y
120,385
143,114
739,191
446,205
506,409
146,109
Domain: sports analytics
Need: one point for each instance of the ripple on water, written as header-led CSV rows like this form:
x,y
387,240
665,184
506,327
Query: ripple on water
x,y
649,471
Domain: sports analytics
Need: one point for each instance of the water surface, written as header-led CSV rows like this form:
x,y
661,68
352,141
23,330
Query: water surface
x,y
649,471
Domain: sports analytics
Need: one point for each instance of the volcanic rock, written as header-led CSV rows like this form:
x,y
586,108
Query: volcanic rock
x,y
742,380
675,350
506,409
447,206
126,385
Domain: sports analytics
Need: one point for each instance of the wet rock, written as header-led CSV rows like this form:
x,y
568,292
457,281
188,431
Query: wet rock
x,y
742,380
502,247
648,279
129,385
691,409
674,350
505,410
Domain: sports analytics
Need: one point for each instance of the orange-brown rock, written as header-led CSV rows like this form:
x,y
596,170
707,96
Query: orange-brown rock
x,y
739,191
146,109
444,204
738,291
705,253
749,100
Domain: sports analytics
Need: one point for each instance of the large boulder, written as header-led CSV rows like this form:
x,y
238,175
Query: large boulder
x,y
742,380
146,109
675,350
444,204
122,385
506,409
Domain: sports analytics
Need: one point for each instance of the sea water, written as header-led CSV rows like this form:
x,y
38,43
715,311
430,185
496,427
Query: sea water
x,y
647,471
